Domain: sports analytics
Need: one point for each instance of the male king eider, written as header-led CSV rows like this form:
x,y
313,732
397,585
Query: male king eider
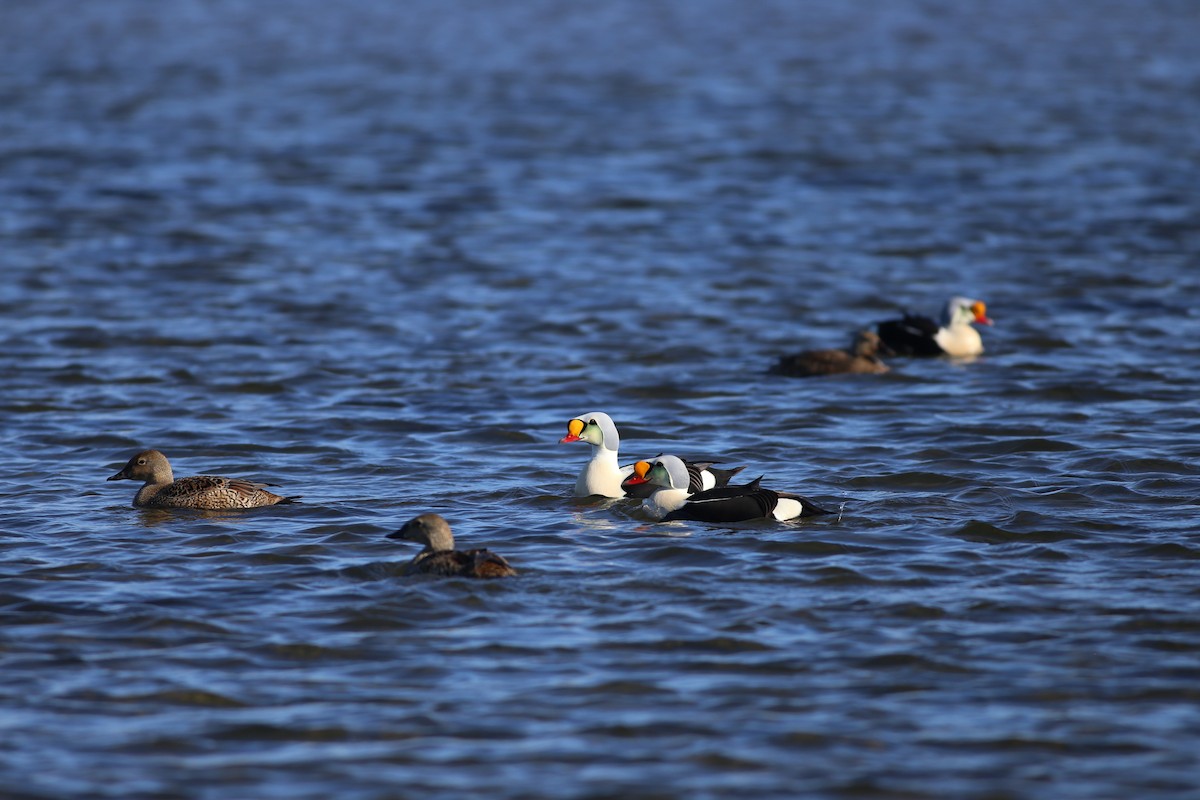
x,y
671,500
862,358
915,335
602,475
439,557
204,492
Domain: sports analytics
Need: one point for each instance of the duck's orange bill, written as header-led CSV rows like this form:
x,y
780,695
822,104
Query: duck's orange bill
x,y
574,428
979,309
639,473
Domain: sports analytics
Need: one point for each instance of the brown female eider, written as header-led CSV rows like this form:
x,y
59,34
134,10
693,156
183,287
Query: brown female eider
x,y
862,357
439,556
204,492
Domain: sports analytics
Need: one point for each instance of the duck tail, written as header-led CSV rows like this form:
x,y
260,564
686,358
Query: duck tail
x,y
809,508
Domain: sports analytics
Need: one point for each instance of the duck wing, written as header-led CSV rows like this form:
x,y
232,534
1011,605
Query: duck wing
x,y
442,562
727,504
809,508
192,487
814,362
913,335
486,564
480,563
211,492
720,477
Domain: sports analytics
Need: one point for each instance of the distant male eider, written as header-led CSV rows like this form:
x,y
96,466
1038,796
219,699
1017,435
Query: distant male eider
x,y
862,358
205,492
915,335
671,500
604,476
439,556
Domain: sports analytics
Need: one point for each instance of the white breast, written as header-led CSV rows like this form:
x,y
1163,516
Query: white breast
x,y
960,341
602,475
664,501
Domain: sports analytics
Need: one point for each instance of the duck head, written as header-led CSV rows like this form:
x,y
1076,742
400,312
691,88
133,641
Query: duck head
x,y
596,428
965,310
148,465
431,530
866,344
667,471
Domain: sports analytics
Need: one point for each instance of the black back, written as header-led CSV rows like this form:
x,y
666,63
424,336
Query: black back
x,y
910,336
727,504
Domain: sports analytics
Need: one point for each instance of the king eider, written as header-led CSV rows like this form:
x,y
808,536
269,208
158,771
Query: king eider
x,y
671,500
914,335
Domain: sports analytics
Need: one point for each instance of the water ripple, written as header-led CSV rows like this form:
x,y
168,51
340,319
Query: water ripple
x,y
380,254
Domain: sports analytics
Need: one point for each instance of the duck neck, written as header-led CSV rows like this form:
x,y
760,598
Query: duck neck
x,y
147,492
601,475
664,501
439,544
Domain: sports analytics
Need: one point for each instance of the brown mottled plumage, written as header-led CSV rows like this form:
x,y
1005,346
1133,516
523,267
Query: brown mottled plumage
x,y
206,492
439,556
862,357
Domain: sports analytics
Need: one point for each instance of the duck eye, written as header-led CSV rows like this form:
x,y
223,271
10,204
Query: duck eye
x,y
141,461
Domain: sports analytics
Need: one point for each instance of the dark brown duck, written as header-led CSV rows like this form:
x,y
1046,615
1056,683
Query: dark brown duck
x,y
862,357
439,556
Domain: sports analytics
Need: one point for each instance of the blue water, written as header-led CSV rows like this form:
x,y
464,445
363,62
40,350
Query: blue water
x,y
380,253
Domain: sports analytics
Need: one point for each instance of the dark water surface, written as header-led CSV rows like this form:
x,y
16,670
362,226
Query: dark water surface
x,y
380,253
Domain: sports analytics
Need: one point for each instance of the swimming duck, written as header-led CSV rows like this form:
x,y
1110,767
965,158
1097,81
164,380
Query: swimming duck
x,y
205,492
671,500
861,357
915,335
603,475
439,556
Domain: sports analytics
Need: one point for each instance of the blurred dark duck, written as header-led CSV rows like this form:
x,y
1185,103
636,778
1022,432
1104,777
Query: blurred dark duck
x,y
862,357
204,492
439,556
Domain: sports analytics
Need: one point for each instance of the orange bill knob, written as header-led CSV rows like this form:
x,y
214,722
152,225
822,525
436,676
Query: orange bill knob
x,y
639,473
979,309
574,428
